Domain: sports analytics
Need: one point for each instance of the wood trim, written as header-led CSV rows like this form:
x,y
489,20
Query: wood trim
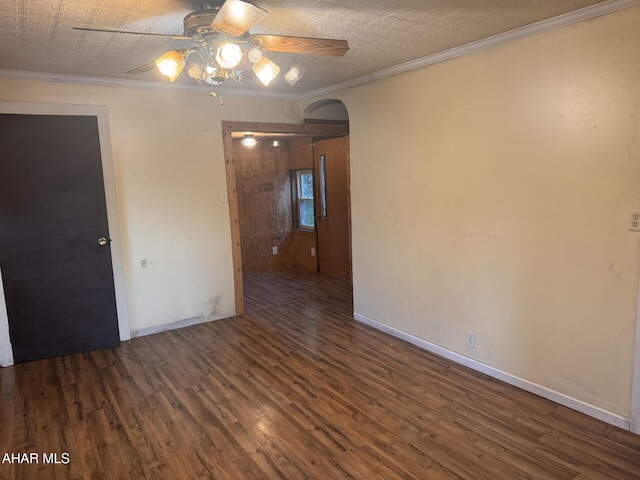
x,y
286,128
228,127
313,121
234,217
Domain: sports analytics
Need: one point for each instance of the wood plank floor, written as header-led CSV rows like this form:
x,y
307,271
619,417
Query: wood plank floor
x,y
269,289
294,389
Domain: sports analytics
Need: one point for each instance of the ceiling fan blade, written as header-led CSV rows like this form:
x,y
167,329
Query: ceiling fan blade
x,y
236,17
309,46
106,30
143,68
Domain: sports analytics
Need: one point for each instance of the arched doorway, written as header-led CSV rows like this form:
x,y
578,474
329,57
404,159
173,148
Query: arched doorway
x,y
326,111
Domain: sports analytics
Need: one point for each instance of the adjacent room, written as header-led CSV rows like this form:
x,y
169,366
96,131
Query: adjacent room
x,y
291,239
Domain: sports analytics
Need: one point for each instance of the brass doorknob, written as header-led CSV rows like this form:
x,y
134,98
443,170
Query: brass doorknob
x,y
102,241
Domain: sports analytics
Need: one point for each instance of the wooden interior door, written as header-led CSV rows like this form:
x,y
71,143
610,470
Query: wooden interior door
x,y
333,216
55,255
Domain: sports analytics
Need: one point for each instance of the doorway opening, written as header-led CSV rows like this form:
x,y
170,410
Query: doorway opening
x,y
262,199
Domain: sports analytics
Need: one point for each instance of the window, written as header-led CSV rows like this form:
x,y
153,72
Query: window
x,y
303,215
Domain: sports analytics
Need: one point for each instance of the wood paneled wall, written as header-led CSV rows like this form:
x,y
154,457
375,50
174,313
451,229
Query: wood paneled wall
x,y
303,243
264,203
301,153
263,183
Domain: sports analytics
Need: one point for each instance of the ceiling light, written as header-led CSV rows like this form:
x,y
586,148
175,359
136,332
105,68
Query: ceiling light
x,y
275,143
254,55
266,70
229,55
171,63
293,75
249,141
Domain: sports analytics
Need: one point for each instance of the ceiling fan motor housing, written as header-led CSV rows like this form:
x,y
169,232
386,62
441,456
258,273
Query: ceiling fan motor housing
x,y
198,22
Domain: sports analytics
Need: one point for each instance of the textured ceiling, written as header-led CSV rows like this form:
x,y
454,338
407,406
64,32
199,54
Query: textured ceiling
x,y
37,35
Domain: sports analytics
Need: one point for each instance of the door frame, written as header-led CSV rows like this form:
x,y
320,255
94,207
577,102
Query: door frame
x,y
117,261
228,127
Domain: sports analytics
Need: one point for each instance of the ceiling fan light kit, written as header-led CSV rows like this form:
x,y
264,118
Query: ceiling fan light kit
x,y
171,64
266,70
225,50
254,55
229,55
294,74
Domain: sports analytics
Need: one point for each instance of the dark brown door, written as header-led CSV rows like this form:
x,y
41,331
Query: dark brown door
x,y
58,279
331,164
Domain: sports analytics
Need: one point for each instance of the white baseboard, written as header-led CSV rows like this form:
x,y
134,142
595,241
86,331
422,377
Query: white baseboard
x,y
561,398
187,322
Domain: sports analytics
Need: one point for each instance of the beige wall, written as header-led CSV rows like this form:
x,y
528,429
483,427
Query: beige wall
x,y
491,193
169,167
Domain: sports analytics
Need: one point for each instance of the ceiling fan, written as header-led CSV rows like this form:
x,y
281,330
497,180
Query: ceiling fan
x,y
225,50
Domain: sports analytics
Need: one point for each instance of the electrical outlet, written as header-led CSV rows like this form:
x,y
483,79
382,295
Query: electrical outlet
x,y
274,250
471,339
144,263
634,221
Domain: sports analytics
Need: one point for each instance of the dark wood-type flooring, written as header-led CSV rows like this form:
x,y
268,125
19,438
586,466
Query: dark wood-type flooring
x,y
294,389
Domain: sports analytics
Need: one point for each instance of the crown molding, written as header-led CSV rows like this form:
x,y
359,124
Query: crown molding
x,y
120,82
542,26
